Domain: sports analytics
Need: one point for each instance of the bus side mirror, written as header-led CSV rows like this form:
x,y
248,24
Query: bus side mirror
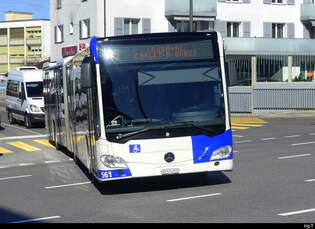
x,y
231,73
87,72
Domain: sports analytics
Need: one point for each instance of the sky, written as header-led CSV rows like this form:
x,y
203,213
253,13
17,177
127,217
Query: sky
x,y
39,8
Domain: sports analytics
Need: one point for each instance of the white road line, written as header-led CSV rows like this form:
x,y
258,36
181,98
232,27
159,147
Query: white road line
x,y
35,220
267,139
245,141
24,129
68,185
310,180
23,137
16,177
302,143
293,156
194,197
311,134
297,212
292,136
238,136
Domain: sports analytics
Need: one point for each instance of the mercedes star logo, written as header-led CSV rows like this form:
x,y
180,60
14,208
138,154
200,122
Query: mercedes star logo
x,y
169,157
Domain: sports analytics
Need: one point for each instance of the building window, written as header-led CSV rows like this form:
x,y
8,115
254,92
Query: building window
x,y
59,34
58,4
277,1
233,29
71,29
277,30
131,26
85,29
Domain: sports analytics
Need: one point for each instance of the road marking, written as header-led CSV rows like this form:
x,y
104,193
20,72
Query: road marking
x,y
310,180
4,151
297,212
302,143
16,177
268,139
239,127
246,124
27,130
23,146
44,142
293,156
68,185
22,137
292,136
35,220
194,197
238,136
248,120
245,141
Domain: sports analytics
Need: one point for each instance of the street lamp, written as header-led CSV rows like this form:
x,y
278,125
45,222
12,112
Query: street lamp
x,y
191,14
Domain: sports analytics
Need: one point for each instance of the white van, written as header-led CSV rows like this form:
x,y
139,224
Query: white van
x,y
24,96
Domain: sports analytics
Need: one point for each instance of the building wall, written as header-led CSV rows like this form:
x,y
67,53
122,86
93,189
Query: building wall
x,y
257,12
75,11
22,42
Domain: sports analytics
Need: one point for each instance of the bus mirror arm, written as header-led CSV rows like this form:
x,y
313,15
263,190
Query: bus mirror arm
x,y
87,72
231,72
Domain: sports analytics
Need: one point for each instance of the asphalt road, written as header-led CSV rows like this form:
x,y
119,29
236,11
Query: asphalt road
x,y
272,182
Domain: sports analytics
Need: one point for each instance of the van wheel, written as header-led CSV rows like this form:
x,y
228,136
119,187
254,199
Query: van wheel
x,y
10,118
27,121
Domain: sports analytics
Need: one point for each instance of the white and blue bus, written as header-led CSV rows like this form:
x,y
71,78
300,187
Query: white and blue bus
x,y
143,105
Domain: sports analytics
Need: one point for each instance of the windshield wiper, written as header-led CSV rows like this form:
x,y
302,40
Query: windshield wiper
x,y
121,136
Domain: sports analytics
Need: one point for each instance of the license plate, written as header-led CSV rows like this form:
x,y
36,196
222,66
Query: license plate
x,y
170,171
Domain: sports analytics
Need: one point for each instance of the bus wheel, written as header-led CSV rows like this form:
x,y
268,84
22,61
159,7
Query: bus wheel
x,y
55,137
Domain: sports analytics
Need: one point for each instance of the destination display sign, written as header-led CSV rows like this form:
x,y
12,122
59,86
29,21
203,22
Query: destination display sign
x,y
117,54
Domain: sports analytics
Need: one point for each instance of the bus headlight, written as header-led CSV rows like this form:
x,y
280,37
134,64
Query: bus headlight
x,y
111,161
221,153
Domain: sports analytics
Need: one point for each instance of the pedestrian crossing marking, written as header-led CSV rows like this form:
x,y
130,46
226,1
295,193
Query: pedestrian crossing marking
x,y
23,146
4,151
244,123
239,127
44,142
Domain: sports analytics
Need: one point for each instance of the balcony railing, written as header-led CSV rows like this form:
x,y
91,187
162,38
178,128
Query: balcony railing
x,y
201,8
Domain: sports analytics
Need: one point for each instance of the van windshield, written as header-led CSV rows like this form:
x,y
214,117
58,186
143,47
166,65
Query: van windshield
x,y
34,89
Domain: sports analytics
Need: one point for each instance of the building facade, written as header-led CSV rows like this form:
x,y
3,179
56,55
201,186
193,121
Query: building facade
x,y
23,40
75,21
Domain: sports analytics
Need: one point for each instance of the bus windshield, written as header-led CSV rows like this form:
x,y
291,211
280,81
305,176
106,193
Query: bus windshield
x,y
156,88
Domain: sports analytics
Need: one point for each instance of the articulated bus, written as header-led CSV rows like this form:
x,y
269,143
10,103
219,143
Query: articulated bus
x,y
142,105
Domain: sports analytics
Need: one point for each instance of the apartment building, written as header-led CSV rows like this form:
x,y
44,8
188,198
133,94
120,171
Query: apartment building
x,y
23,40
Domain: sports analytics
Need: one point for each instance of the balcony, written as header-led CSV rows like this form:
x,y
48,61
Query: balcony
x,y
180,8
308,12
17,60
268,46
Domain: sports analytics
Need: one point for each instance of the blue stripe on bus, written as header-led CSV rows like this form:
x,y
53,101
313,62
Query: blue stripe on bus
x,y
203,146
93,48
110,174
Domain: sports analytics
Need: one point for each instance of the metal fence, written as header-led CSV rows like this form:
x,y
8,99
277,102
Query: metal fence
x,y
276,83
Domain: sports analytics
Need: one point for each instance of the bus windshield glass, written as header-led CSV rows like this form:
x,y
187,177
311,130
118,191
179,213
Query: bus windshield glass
x,y
34,89
151,88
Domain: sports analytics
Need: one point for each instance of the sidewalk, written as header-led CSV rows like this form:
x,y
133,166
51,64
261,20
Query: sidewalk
x,y
284,114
